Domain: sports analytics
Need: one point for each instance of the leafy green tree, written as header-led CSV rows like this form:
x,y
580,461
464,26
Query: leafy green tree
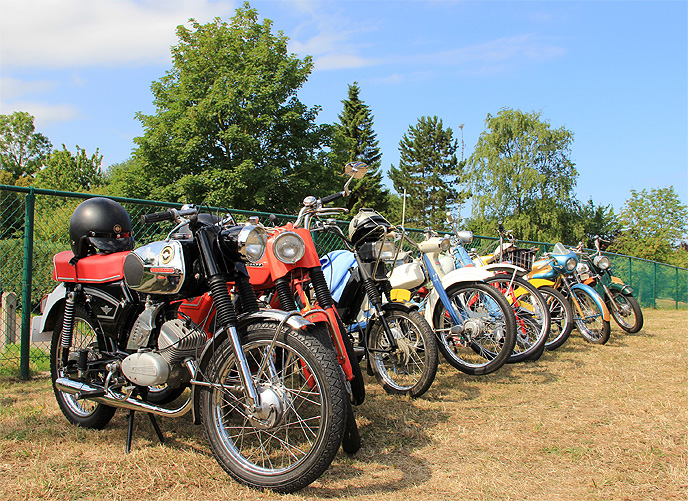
x,y
23,151
229,129
68,172
429,171
521,173
598,220
653,224
355,140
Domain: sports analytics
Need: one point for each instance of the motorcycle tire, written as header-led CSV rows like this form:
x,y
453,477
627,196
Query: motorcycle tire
x,y
81,412
531,315
561,317
296,439
489,334
626,311
411,369
594,328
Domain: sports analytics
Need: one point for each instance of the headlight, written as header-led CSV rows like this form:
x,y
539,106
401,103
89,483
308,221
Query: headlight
x,y
570,264
251,242
444,244
385,250
602,262
288,247
582,268
465,236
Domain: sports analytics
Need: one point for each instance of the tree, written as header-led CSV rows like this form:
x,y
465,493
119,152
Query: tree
x,y
653,224
355,140
429,171
68,172
229,129
521,173
23,151
598,220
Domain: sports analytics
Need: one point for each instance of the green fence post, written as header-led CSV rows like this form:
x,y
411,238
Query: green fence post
x,y
676,290
27,282
654,287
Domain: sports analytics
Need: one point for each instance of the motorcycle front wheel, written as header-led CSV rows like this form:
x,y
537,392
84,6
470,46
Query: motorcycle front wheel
x,y
292,440
560,317
591,324
626,311
411,368
81,412
531,314
487,334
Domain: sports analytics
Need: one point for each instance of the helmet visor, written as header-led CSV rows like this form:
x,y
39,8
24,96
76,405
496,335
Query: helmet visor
x,y
112,244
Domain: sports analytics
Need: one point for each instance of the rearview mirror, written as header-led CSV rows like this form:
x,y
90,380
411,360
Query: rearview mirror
x,y
356,169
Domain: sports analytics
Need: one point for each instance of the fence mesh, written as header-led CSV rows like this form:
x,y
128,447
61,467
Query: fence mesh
x,y
656,285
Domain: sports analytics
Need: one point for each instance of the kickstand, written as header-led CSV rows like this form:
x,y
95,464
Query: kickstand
x,y
130,430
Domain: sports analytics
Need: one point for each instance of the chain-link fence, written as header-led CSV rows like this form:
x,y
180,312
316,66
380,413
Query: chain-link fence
x,y
34,226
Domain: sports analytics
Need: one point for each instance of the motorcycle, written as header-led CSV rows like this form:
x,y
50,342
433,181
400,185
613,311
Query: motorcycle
x,y
398,344
556,269
594,270
473,322
265,387
531,311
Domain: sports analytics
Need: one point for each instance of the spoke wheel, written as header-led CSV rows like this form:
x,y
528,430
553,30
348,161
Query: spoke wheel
x,y
81,412
592,324
488,331
560,317
411,368
290,442
626,312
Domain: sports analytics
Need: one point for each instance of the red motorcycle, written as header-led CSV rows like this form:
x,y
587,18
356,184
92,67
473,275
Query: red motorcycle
x,y
289,277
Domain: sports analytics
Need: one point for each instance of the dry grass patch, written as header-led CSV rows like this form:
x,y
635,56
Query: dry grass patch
x,y
584,422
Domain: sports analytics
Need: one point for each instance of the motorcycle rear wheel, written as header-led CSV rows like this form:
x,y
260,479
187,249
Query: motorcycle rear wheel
x,y
81,412
293,445
411,369
630,315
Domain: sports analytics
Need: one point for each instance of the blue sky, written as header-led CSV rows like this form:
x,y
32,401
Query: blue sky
x,y
614,73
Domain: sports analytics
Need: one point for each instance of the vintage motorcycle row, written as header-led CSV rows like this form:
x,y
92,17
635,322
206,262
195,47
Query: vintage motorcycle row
x,y
261,339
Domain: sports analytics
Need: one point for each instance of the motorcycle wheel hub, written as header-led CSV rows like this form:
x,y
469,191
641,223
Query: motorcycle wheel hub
x,y
273,409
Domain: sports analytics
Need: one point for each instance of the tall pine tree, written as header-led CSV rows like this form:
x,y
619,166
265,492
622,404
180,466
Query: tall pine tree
x,y
429,171
355,140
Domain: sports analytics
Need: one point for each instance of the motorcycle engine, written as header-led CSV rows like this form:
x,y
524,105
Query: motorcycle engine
x,y
176,341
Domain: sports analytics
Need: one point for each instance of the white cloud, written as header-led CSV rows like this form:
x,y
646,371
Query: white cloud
x,y
77,33
13,88
43,114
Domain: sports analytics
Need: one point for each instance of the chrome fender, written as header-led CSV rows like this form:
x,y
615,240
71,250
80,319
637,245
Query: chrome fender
x,y
596,297
506,267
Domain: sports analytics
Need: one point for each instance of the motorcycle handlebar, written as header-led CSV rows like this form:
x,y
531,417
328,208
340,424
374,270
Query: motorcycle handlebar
x,y
156,217
331,198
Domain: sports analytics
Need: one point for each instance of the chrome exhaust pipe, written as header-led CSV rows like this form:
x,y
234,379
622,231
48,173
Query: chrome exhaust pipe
x,y
120,400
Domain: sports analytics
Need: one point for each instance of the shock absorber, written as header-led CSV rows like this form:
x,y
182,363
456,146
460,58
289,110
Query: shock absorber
x,y
286,298
226,314
322,291
67,326
247,295
372,291
387,289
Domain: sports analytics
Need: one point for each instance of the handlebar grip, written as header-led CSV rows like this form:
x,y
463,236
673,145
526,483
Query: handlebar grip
x,y
156,217
331,198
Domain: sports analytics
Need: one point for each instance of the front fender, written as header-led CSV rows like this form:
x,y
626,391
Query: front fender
x,y
596,297
405,306
510,268
459,275
617,285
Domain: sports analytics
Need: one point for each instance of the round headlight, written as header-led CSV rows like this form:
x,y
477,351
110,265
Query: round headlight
x,y
602,262
288,247
445,243
570,264
252,241
582,268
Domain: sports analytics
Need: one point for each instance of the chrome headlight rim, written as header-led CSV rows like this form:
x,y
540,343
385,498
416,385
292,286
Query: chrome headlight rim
x,y
570,264
297,243
252,242
602,262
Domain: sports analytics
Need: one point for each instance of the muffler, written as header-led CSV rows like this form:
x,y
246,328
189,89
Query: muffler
x,y
120,400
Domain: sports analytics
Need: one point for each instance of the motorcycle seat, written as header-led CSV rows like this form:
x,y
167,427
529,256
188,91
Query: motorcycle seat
x,y
94,269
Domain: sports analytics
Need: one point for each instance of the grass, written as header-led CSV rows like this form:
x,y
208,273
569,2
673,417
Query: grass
x,y
585,422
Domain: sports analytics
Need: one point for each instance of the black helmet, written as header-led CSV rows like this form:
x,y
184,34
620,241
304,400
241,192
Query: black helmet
x,y
102,224
367,226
